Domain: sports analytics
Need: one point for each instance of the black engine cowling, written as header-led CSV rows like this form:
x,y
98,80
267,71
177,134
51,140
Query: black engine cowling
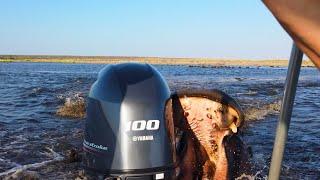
x,y
126,132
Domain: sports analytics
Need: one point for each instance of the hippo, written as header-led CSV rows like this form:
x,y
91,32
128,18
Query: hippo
x,y
206,125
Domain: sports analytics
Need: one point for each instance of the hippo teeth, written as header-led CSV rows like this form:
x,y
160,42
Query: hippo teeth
x,y
233,128
193,126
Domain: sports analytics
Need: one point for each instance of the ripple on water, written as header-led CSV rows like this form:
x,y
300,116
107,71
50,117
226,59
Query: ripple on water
x,y
30,98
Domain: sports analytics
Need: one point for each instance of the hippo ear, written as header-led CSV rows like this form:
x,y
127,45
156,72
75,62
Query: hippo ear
x,y
183,97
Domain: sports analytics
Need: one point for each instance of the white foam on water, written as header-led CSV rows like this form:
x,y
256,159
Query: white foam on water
x,y
259,113
248,93
8,162
252,177
56,157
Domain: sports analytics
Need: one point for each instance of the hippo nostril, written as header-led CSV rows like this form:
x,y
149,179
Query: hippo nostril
x,y
186,114
209,116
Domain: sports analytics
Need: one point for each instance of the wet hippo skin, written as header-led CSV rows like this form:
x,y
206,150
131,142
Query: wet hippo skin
x,y
207,125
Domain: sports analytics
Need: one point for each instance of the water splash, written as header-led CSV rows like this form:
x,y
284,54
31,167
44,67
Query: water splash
x,y
260,112
73,107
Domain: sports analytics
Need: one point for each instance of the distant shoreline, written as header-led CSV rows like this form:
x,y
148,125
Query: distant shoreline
x,y
150,60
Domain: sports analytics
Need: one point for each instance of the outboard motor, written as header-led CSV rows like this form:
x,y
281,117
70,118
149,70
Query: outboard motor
x,y
126,133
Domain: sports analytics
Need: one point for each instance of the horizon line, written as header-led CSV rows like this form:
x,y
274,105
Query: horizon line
x,y
160,57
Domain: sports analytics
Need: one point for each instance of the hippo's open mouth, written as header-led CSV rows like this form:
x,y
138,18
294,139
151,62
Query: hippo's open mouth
x,y
210,120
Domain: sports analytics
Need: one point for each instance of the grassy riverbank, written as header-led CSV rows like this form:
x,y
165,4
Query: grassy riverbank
x,y
151,60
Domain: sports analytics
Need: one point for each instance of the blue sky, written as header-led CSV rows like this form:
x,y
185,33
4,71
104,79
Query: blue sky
x,y
166,28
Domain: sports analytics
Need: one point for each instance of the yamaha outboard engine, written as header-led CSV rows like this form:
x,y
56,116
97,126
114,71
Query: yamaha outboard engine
x,y
126,133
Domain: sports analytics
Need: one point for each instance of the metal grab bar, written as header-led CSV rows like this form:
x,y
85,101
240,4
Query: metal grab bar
x,y
285,113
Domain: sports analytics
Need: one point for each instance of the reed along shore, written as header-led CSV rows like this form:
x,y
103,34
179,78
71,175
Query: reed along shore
x,y
151,60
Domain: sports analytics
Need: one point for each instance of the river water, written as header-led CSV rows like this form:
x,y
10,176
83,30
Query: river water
x,y
32,134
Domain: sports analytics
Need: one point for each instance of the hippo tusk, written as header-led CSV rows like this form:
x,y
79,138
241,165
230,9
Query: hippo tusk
x,y
233,128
